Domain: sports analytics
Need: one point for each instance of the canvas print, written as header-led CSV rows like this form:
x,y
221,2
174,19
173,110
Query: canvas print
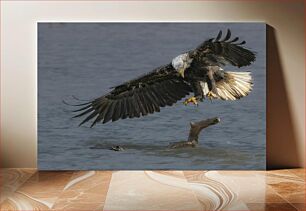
x,y
129,96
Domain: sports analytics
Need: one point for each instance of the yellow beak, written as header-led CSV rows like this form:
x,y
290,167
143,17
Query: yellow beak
x,y
181,72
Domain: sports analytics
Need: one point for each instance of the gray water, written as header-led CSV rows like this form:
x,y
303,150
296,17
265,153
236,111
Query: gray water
x,y
85,59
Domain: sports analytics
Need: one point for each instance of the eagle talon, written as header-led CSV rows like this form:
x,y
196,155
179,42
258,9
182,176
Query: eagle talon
x,y
191,100
210,95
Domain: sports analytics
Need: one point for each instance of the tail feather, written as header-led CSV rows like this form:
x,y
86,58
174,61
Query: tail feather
x,y
235,85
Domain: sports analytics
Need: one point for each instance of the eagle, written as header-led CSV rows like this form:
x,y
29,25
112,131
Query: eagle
x,y
198,71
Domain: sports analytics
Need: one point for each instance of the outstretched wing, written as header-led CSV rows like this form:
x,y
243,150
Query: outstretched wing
x,y
220,52
138,97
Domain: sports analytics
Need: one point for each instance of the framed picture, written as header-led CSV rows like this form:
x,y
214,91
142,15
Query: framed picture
x,y
118,96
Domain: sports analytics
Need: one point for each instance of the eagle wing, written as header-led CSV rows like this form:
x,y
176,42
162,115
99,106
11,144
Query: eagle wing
x,y
221,52
139,97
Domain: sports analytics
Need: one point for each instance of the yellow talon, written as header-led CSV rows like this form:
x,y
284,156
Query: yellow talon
x,y
191,100
210,95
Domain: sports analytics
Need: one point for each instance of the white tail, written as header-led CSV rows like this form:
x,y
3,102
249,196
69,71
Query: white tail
x,y
234,86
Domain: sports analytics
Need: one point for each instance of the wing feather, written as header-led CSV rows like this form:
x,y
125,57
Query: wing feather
x,y
154,102
117,111
108,113
160,95
148,102
139,97
125,109
131,113
136,106
215,52
102,110
143,103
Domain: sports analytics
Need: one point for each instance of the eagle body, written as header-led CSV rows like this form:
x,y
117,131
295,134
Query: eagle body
x,y
204,77
199,71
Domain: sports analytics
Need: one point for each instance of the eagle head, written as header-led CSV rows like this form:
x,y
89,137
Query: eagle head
x,y
181,63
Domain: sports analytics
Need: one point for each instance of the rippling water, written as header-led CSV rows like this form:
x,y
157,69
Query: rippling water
x,y
85,59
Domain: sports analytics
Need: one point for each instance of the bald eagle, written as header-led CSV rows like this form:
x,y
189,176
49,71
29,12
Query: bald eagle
x,y
198,71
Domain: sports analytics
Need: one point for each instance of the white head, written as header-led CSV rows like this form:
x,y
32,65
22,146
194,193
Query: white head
x,y
181,62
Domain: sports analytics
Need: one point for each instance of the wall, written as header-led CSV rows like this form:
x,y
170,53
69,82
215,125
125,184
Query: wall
x,y
286,64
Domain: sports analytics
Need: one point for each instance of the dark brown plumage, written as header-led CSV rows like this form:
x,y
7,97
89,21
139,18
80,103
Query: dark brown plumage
x,y
164,86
